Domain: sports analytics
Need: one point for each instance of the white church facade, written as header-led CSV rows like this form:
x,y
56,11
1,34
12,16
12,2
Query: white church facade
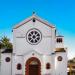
x,y
37,50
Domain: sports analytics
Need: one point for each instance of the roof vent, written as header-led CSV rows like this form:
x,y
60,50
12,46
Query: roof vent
x,y
34,20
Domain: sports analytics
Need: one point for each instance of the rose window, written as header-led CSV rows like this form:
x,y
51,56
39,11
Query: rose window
x,y
34,36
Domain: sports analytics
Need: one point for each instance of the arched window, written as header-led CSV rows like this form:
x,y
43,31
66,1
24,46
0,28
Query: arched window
x,y
19,66
48,66
59,40
34,20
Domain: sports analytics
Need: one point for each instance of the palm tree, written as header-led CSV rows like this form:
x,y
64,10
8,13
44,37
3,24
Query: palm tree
x,y
5,43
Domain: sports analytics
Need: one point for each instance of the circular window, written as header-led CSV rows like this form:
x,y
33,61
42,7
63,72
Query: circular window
x,y
59,58
34,36
7,59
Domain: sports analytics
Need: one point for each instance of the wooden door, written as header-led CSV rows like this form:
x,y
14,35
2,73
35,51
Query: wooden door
x,y
33,66
33,69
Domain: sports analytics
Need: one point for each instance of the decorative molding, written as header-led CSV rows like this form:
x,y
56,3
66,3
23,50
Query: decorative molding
x,y
37,18
20,37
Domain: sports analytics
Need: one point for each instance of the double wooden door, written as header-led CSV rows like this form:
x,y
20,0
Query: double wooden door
x,y
33,66
33,69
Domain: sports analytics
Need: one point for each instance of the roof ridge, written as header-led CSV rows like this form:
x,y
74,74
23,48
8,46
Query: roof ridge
x,y
30,18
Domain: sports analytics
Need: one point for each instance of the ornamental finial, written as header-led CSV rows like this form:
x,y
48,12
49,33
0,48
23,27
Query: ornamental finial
x,y
33,13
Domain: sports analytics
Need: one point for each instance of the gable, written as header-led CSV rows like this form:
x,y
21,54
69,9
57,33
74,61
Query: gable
x,y
31,18
22,28
21,36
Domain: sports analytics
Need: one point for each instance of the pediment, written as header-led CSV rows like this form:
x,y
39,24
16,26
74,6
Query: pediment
x,y
32,52
36,18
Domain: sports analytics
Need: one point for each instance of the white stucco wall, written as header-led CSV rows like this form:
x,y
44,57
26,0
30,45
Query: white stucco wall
x,y
61,66
44,59
43,51
6,66
48,59
61,44
46,46
16,60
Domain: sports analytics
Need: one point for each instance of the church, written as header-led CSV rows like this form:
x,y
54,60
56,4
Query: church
x,y
37,50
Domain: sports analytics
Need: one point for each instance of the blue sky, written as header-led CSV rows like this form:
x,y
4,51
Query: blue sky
x,y
59,12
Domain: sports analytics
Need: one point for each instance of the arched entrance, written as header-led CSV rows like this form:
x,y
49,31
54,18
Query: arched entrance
x,y
33,66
